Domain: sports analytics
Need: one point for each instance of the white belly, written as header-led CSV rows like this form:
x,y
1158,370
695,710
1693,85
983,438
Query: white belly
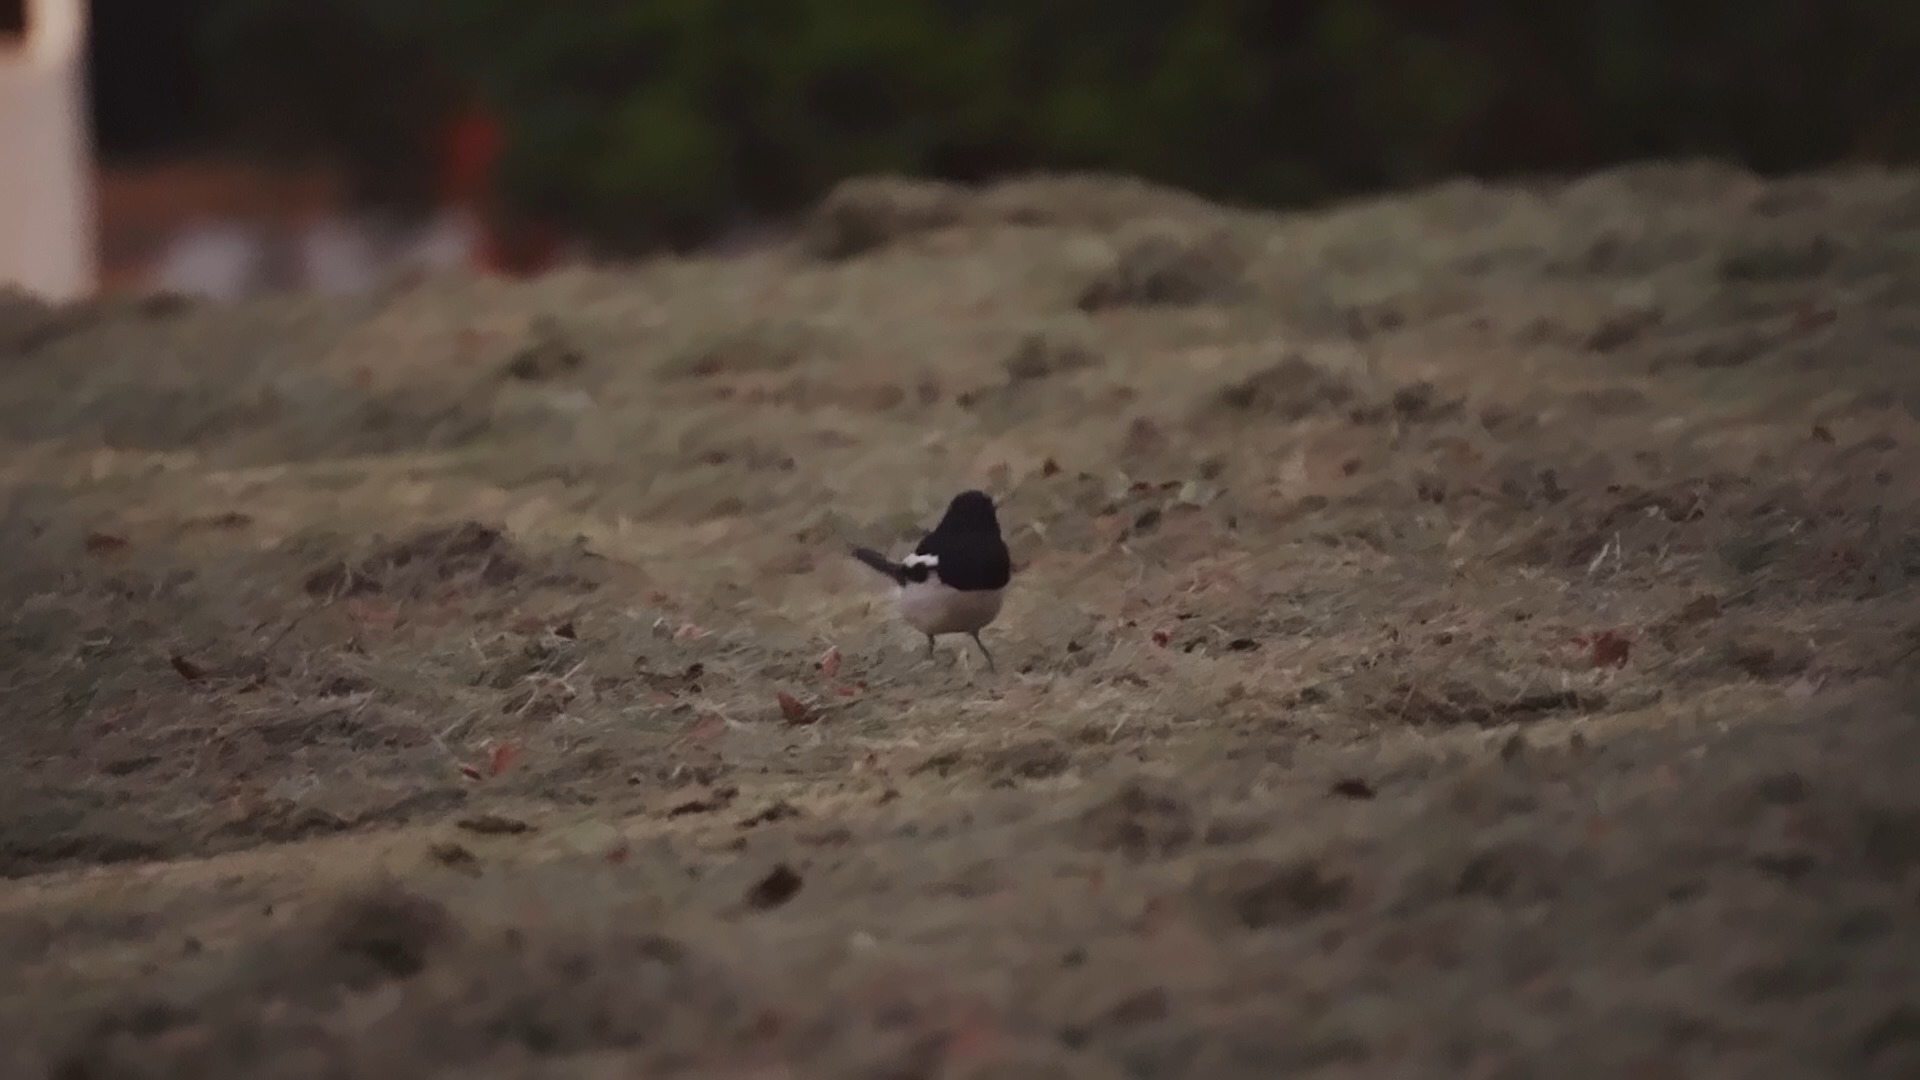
x,y
933,608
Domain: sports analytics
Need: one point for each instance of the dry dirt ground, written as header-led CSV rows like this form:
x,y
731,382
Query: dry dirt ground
x,y
1460,634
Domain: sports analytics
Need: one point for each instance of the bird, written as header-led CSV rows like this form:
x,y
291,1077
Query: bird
x,y
957,575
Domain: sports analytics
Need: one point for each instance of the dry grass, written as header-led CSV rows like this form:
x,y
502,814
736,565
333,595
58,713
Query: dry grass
x,y
1457,634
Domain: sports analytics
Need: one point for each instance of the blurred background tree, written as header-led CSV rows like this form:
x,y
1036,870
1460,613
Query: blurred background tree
x,y
640,121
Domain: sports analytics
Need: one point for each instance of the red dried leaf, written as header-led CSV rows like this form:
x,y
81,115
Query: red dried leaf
x,y
844,690
975,1039
795,711
1810,316
829,662
1609,649
188,670
1699,609
501,758
370,613
232,519
1161,637
707,727
99,543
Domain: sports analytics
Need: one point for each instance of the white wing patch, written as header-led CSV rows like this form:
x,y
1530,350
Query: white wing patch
x,y
921,560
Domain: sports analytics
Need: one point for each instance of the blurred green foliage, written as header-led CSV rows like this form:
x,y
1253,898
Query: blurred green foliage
x,y
638,120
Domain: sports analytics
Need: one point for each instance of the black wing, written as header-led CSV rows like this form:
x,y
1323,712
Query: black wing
x,y
969,561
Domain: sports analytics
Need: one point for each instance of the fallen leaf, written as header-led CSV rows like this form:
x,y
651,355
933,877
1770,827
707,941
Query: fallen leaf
x,y
99,543
1699,609
718,799
471,772
232,519
844,690
779,811
1198,493
566,630
779,886
371,613
1353,788
1609,649
188,670
1810,316
597,839
1821,434
795,711
493,825
1161,637
1049,467
1804,687
501,758
829,662
451,854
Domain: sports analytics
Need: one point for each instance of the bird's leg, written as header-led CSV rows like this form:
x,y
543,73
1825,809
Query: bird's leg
x,y
983,649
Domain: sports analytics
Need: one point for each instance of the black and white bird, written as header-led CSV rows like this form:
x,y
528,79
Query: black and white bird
x,y
956,577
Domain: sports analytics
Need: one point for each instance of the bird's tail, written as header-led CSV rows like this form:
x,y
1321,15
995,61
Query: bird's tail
x,y
881,563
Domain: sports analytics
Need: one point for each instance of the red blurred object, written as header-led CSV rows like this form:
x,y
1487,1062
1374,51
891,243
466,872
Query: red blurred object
x,y
471,149
472,146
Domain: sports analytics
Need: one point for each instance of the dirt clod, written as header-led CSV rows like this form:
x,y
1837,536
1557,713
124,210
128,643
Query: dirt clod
x,y
494,825
1142,820
465,553
1261,893
548,353
780,885
1161,268
863,214
1290,389
1353,787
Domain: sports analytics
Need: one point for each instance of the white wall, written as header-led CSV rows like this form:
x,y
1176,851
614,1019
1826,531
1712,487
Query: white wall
x,y
47,216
